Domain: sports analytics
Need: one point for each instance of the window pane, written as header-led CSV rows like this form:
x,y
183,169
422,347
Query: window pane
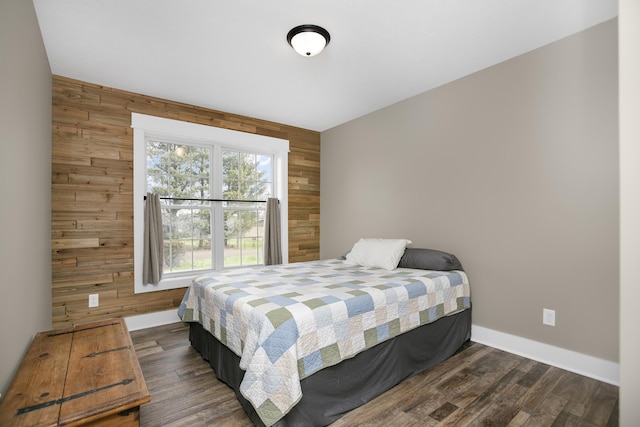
x,y
201,239
243,237
246,175
249,251
246,166
231,241
230,188
178,170
264,167
182,172
187,239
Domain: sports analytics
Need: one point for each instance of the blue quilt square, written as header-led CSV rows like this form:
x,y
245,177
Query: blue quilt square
x,y
383,332
455,279
281,300
312,362
416,289
281,339
358,305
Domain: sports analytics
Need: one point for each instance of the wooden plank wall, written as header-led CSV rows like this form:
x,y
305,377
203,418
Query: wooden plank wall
x,y
92,196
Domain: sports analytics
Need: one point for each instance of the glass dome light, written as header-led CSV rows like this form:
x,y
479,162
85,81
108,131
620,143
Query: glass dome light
x,y
308,40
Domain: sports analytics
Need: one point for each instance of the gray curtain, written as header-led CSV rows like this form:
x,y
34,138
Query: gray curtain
x,y
272,241
153,241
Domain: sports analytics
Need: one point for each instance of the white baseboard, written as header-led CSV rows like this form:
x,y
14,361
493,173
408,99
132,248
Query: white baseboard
x,y
150,320
579,363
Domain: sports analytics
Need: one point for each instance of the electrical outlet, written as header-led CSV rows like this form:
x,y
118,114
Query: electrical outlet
x,y
549,317
93,300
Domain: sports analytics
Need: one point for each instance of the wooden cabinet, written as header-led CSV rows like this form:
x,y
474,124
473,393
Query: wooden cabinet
x,y
85,375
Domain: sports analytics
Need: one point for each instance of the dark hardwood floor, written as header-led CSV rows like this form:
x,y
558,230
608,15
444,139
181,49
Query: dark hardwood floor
x,y
478,386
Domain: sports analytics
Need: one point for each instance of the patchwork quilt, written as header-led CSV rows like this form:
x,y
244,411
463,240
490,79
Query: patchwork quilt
x,y
286,322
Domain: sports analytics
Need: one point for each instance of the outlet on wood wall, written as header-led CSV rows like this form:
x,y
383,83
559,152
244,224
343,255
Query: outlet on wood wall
x,y
92,196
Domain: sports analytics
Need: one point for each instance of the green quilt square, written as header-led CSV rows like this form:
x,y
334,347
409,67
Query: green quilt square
x,y
439,311
424,317
269,412
291,295
188,315
330,355
279,316
394,327
257,302
314,303
370,337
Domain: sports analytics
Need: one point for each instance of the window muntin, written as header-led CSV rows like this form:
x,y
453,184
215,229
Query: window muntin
x,y
183,134
182,175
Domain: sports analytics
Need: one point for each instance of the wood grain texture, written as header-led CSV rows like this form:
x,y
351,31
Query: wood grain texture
x,y
102,357
84,375
92,196
42,372
478,386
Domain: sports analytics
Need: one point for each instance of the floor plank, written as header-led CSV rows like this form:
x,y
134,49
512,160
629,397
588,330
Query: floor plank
x,y
478,386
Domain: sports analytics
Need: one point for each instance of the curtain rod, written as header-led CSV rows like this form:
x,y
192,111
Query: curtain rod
x,y
210,200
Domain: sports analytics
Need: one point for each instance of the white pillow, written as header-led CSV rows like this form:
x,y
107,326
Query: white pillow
x,y
382,253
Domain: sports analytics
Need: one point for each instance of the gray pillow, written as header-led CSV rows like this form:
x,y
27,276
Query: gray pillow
x,y
429,259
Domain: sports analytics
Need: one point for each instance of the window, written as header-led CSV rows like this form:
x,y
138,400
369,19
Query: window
x,y
190,165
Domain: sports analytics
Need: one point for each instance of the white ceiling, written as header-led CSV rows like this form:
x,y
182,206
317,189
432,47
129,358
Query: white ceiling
x,y
233,55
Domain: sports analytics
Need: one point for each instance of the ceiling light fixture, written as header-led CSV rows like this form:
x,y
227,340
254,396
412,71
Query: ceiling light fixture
x,y
308,40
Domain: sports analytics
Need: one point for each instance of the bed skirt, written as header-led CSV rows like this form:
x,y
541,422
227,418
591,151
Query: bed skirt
x,y
331,392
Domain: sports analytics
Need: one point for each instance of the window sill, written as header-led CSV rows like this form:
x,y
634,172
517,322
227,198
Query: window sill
x,y
166,284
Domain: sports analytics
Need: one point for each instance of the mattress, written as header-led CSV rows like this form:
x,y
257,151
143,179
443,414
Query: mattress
x,y
287,322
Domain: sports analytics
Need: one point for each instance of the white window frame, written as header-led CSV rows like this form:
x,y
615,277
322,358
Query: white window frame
x,y
151,126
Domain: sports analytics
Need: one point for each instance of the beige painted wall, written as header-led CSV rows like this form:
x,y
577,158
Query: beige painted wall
x,y
25,183
515,170
629,36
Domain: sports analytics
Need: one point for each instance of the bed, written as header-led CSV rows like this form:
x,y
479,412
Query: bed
x,y
304,343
